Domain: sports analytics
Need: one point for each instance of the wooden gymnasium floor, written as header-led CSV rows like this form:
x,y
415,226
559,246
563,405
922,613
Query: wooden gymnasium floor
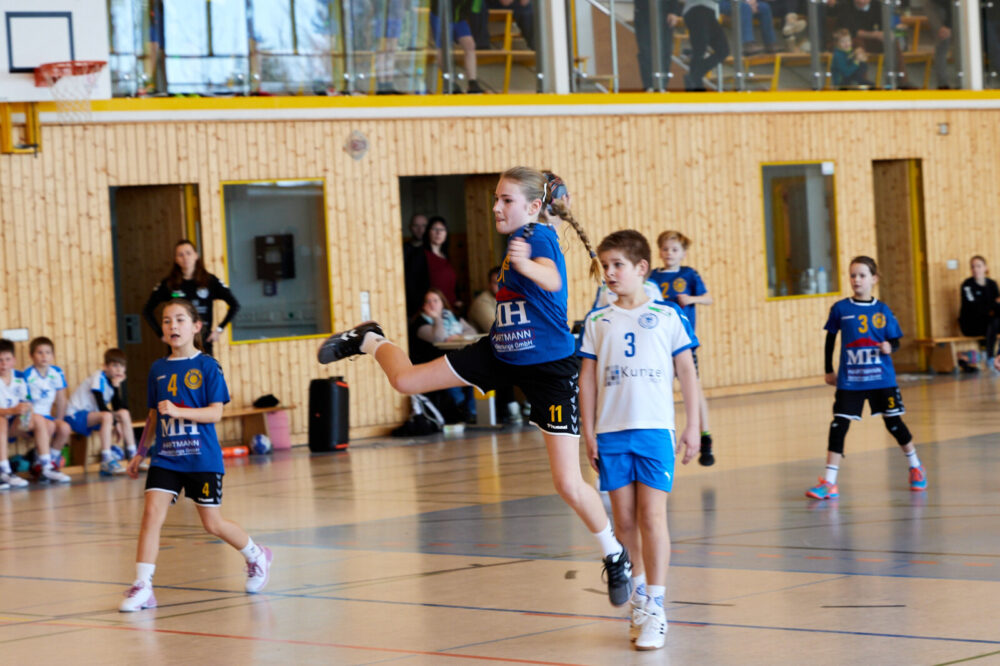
x,y
456,551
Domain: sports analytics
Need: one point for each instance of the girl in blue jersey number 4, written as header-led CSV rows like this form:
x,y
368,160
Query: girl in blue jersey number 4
x,y
186,393
870,333
529,346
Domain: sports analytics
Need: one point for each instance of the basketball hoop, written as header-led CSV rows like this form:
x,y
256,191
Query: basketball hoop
x,y
72,83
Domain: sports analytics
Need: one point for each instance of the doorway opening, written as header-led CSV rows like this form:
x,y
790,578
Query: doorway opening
x,y
901,241
466,204
146,222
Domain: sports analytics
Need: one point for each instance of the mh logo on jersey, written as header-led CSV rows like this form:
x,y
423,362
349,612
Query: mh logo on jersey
x,y
511,308
178,427
864,351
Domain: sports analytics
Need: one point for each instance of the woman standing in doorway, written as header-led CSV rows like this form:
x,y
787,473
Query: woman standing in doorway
x,y
189,280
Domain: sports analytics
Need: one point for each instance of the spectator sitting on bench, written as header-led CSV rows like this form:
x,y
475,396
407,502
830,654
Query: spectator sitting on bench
x,y
461,32
863,19
979,315
747,10
850,63
97,403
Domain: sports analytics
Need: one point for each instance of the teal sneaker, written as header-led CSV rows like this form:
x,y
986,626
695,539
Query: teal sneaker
x,y
918,479
825,490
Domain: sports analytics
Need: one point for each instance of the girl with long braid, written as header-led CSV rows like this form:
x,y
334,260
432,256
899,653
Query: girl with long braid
x,y
529,346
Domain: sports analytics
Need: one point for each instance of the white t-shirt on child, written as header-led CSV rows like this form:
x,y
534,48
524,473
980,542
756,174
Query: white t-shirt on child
x,y
634,350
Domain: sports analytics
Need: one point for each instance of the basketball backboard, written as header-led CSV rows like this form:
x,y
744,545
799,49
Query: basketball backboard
x,y
33,32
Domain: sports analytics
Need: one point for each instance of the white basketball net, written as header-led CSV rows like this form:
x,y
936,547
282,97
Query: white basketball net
x,y
72,93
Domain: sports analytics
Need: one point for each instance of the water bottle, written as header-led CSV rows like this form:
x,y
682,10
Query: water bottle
x,y
811,275
822,282
26,419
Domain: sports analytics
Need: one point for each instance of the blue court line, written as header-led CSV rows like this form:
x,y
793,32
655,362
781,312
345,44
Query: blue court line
x,y
521,611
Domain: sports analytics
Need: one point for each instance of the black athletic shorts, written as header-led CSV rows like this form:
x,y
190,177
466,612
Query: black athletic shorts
x,y
551,388
884,401
203,488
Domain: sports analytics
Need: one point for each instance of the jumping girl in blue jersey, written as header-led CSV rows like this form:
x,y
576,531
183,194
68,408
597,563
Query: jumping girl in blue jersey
x,y
529,346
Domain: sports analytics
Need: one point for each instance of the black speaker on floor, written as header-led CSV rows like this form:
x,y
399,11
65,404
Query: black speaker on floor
x,y
329,417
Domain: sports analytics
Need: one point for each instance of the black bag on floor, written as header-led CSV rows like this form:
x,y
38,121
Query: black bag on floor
x,y
425,419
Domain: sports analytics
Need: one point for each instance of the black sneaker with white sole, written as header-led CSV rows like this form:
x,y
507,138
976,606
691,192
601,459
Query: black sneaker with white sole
x,y
346,343
618,571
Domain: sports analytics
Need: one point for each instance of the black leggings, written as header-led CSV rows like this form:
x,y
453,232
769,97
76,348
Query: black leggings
x,y
705,32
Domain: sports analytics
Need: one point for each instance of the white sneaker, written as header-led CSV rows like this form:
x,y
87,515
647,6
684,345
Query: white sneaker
x,y
638,617
653,632
138,597
54,475
4,485
13,480
259,571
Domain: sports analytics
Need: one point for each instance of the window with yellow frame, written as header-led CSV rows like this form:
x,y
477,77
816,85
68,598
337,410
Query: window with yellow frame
x,y
277,259
800,229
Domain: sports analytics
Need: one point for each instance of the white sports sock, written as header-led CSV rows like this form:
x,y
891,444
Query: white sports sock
x,y
831,474
609,543
130,452
371,342
251,551
45,459
656,594
144,572
106,456
639,585
913,459
5,466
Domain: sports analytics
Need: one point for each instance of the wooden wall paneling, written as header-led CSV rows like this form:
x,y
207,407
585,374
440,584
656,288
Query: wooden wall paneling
x,y
696,173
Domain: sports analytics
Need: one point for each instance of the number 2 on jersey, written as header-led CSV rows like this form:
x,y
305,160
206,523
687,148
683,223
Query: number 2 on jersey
x,y
630,341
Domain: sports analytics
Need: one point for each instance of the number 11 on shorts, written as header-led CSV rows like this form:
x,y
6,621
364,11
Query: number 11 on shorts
x,y
555,413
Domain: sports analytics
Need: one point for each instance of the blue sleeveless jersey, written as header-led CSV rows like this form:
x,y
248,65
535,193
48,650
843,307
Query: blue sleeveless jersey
x,y
863,326
530,325
684,280
181,445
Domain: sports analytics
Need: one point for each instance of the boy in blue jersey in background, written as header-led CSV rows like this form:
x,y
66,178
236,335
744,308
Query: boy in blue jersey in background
x,y
629,350
682,285
186,392
870,333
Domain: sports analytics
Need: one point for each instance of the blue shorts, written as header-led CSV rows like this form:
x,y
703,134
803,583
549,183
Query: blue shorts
x,y
459,29
644,456
78,422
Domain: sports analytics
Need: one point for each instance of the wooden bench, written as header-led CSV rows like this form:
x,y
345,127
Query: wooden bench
x,y
252,419
945,349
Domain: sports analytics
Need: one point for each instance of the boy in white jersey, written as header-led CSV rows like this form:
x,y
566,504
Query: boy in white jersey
x,y
14,410
47,392
98,403
630,349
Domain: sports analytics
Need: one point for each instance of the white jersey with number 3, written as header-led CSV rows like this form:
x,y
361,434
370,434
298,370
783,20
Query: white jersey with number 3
x,y
634,351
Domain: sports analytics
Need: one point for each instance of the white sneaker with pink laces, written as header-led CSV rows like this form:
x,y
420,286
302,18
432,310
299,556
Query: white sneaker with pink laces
x,y
259,571
138,597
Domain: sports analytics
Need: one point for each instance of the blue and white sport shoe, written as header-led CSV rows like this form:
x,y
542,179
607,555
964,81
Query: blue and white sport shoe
x,y
825,490
112,468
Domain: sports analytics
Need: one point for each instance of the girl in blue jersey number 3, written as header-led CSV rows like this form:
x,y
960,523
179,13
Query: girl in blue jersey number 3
x,y
869,334
186,394
529,346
